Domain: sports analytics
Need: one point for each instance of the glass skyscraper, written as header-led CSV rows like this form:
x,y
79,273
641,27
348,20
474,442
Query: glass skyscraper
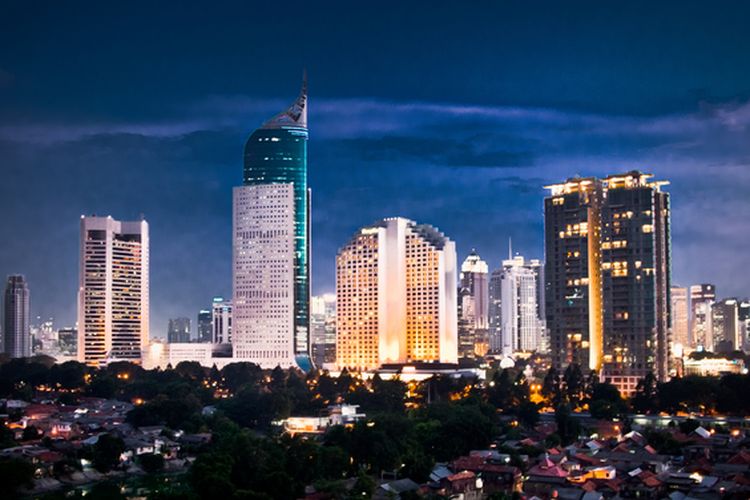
x,y
275,156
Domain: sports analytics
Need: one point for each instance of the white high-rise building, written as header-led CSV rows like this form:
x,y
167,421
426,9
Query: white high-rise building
x,y
396,290
522,329
16,328
263,274
702,298
221,321
473,302
113,298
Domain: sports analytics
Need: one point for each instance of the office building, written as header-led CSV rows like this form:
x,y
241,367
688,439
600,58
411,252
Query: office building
x,y
607,275
521,328
113,294
743,316
495,335
702,298
680,318
178,330
396,289
221,321
205,328
68,339
725,323
323,328
473,307
16,329
271,242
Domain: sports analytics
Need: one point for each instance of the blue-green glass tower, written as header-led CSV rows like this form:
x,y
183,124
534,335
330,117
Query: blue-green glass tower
x,y
277,153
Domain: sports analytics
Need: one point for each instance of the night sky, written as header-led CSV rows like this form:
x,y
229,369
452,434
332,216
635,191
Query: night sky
x,y
453,114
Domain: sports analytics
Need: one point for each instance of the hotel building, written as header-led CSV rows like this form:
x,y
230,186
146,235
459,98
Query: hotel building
x,y
396,296
113,299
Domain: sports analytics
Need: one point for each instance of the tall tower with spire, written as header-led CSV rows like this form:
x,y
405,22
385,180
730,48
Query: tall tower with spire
x,y
271,244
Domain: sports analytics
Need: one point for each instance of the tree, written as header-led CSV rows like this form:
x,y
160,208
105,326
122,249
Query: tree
x,y
552,388
605,401
645,398
528,414
363,487
15,473
500,388
574,385
151,463
106,452
568,428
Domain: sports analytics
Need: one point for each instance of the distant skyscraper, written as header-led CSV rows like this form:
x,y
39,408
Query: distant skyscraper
x,y
179,330
271,233
496,311
608,273
222,321
725,323
68,338
396,296
702,299
743,316
473,307
323,329
113,298
521,327
16,329
205,329
680,317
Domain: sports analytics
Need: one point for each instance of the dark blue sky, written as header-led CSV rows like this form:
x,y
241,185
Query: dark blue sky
x,y
453,114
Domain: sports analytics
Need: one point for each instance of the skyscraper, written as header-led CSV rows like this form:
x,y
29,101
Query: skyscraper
x,y
496,311
221,321
396,296
608,273
113,298
205,330
743,316
680,317
702,299
725,323
521,326
178,330
473,307
16,328
323,329
271,234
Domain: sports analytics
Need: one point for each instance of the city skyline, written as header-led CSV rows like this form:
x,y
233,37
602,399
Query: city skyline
x,y
434,142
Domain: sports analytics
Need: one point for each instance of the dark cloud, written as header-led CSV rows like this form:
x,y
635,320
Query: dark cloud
x,y
435,150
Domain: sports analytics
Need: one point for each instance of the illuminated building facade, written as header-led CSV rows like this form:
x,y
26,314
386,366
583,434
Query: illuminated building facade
x,y
725,322
221,321
323,329
113,294
608,276
271,235
396,296
702,298
205,329
16,327
680,318
473,307
496,312
522,329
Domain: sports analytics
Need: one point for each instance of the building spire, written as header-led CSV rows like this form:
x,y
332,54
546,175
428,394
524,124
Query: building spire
x,y
510,248
296,114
